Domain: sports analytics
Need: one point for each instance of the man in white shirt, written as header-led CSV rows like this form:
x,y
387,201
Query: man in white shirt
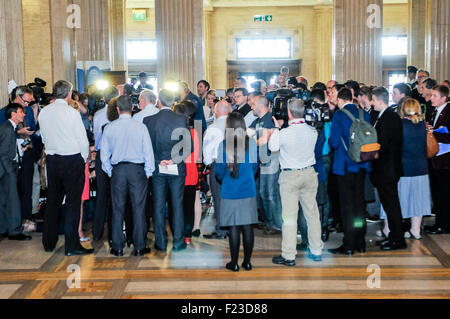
x,y
147,104
298,182
67,149
214,135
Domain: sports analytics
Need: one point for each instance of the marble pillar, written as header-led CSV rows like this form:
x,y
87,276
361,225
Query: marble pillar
x,y
179,35
438,39
117,35
357,41
37,41
416,34
207,46
11,46
324,40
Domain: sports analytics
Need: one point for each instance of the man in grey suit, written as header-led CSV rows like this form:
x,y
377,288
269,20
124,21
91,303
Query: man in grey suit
x,y
172,144
10,213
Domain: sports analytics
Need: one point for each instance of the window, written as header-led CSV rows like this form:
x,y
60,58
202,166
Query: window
x,y
263,48
141,50
397,45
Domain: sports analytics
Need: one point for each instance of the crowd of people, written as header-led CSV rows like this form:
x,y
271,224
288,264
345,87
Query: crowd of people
x,y
153,155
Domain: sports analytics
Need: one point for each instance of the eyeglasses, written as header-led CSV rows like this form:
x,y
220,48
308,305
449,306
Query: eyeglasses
x,y
25,101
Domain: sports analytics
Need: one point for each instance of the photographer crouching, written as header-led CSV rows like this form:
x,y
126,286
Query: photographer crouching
x,y
298,182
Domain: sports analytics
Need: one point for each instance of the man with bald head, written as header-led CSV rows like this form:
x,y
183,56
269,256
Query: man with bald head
x,y
214,135
269,166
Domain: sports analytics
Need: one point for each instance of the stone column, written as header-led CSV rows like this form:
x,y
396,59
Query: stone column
x,y
207,42
416,35
179,35
117,35
37,41
357,41
324,40
63,42
11,46
92,39
438,39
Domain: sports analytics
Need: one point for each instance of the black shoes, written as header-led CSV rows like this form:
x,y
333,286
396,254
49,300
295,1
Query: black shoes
x,y
214,236
3,235
181,247
232,267
142,252
19,237
394,245
271,231
196,233
382,242
160,249
325,235
341,251
79,251
247,267
280,260
117,253
435,230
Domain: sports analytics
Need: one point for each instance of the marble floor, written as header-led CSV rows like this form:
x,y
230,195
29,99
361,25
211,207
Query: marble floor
x,y
420,271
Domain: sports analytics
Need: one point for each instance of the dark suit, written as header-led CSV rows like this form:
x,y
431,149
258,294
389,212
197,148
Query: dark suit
x,y
440,174
161,126
387,170
10,214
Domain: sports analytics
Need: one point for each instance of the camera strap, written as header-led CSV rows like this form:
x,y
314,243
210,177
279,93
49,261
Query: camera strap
x,y
302,121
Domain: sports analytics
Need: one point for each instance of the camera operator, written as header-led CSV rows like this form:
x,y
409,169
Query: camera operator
x,y
298,182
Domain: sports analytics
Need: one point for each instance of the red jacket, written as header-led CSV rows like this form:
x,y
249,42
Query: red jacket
x,y
191,162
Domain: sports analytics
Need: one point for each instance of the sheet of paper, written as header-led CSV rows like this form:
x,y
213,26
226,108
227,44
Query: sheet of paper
x,y
169,169
443,149
443,129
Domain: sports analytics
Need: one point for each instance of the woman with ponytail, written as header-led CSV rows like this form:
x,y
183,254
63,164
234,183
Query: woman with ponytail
x,y
236,169
414,186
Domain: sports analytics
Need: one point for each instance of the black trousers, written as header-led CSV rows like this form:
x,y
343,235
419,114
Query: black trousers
x,y
129,180
161,186
440,182
103,208
352,208
25,181
189,209
389,199
65,175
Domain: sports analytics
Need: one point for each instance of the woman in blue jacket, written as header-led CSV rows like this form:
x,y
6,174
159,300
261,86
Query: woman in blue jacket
x,y
236,171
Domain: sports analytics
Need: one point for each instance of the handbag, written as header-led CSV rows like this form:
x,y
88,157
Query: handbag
x,y
432,145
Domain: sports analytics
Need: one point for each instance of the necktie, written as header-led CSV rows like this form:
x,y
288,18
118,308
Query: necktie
x,y
433,117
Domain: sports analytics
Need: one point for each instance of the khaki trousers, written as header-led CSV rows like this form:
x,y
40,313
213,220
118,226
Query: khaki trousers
x,y
300,186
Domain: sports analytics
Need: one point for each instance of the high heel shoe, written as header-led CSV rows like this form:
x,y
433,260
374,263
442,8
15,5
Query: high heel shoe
x,y
247,267
232,267
412,236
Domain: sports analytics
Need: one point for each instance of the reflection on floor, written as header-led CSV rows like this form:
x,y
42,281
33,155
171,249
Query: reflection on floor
x,y
421,271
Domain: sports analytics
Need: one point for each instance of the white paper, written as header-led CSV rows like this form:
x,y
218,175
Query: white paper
x,y
169,169
19,146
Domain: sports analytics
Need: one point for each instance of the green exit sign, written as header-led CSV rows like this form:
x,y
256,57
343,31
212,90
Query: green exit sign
x,y
139,15
262,18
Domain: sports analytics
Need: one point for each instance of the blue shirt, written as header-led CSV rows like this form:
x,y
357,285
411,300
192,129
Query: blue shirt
x,y
244,186
126,140
340,130
259,125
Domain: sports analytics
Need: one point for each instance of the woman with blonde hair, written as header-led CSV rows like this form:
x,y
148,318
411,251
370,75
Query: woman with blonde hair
x,y
414,186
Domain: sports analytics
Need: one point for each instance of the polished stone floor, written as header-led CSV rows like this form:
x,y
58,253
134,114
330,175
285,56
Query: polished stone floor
x,y
420,271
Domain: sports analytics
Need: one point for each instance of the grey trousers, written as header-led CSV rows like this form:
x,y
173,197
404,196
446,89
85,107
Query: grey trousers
x,y
129,179
10,213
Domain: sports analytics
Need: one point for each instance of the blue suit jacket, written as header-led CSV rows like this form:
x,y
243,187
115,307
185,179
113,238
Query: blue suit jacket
x,y
199,115
340,129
